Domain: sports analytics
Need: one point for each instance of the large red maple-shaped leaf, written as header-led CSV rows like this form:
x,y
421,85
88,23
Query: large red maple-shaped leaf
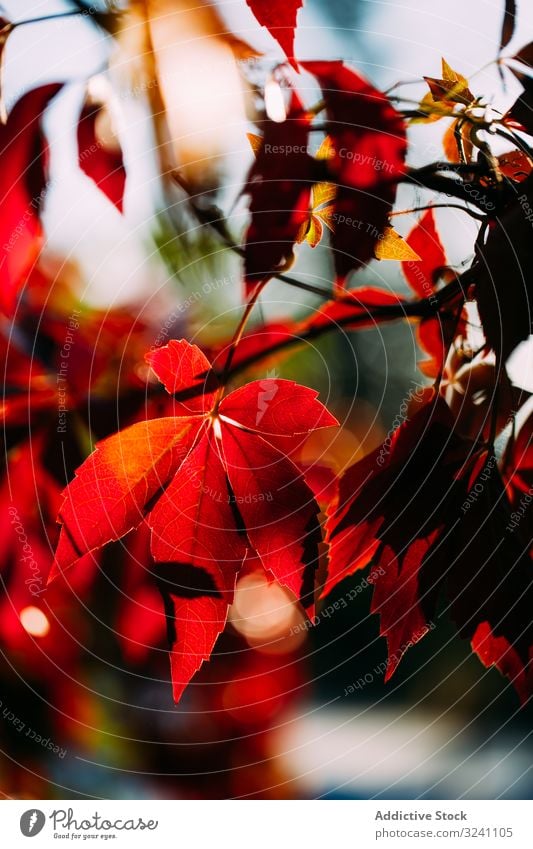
x,y
279,185
23,168
369,145
211,485
279,18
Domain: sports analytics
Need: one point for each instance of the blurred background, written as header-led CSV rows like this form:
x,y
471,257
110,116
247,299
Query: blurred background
x,y
282,710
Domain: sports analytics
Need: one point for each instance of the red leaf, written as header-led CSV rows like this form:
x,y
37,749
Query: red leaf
x,y
22,163
279,185
369,145
508,24
109,494
194,625
185,372
425,241
104,165
391,506
279,17
518,475
210,489
430,510
255,342
504,273
193,523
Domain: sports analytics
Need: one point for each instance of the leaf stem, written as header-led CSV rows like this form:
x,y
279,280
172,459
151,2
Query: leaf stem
x,y
237,336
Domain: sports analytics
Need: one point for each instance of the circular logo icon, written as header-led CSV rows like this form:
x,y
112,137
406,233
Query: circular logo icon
x,y
32,822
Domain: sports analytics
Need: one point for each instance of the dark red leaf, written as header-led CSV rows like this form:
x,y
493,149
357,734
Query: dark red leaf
x,y
391,506
211,489
185,372
504,273
490,582
520,115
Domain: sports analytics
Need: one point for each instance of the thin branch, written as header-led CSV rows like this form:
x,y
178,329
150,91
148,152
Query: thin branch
x,y
470,212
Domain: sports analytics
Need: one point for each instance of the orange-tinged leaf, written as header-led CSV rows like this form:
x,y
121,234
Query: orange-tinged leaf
x,y
315,231
393,247
515,165
452,76
369,153
358,305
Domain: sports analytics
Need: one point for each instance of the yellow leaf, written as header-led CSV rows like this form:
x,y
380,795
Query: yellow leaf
x,y
323,193
392,246
452,76
256,142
